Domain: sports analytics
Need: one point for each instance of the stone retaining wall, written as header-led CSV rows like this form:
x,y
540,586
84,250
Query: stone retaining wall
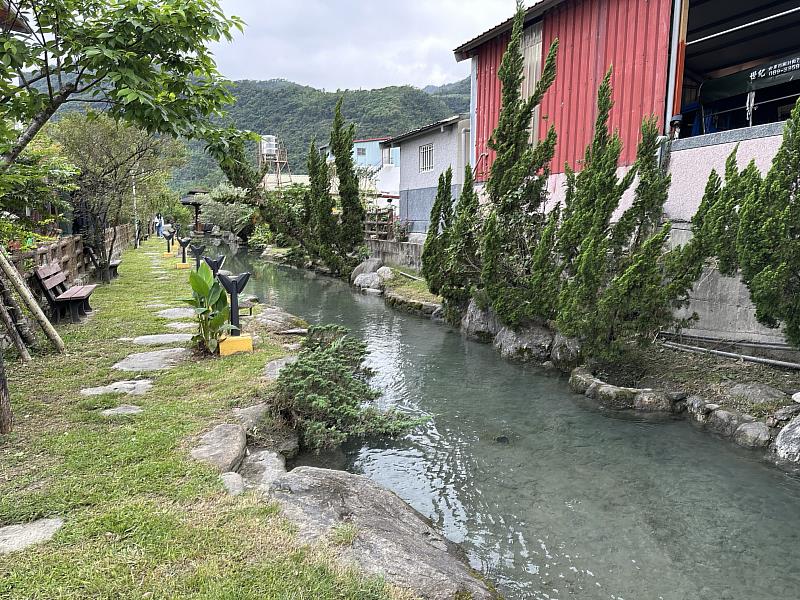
x,y
401,254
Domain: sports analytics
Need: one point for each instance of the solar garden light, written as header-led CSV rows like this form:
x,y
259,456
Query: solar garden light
x,y
184,242
168,237
214,263
197,252
235,342
234,285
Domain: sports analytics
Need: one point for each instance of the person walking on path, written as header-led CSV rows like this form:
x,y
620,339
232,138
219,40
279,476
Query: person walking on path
x,y
159,223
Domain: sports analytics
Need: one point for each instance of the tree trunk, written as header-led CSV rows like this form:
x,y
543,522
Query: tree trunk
x,y
20,320
14,334
6,418
22,289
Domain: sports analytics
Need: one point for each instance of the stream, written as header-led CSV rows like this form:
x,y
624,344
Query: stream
x,y
551,496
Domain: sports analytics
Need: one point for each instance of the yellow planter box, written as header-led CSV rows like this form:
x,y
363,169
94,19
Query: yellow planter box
x,y
167,255
235,344
185,265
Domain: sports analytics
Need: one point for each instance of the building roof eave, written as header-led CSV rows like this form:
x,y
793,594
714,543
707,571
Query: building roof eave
x,y
449,121
465,50
12,20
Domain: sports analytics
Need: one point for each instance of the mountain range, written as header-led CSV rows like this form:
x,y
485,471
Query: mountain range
x,y
298,114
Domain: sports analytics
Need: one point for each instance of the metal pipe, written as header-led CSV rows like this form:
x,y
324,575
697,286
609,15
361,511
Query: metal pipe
x,y
677,6
744,357
744,26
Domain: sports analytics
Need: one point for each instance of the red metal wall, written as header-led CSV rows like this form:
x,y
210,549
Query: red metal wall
x,y
488,102
633,35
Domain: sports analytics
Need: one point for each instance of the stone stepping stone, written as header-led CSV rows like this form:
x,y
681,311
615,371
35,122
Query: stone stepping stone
x,y
233,483
260,468
157,305
176,313
19,537
223,447
135,387
162,278
162,339
123,410
274,367
157,360
181,326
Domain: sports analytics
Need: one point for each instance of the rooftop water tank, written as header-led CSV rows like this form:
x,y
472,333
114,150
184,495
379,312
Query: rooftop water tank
x,y
269,145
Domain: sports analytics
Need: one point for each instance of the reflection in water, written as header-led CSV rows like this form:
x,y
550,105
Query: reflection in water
x,y
550,496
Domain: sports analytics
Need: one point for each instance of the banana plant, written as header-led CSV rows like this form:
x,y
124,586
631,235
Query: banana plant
x,y
211,308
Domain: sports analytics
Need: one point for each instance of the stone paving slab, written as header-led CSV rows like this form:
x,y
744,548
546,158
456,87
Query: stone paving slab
x,y
19,537
181,326
135,387
162,339
123,410
157,360
176,313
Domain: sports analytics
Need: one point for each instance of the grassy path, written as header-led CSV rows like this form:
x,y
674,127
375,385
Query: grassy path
x,y
142,519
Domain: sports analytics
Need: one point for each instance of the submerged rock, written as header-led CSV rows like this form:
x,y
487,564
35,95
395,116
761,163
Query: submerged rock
x,y
612,396
530,343
371,265
787,444
480,324
652,401
752,435
581,379
392,539
223,447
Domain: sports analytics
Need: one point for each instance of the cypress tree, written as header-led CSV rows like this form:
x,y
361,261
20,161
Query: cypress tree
x,y
461,268
435,242
351,232
517,187
321,242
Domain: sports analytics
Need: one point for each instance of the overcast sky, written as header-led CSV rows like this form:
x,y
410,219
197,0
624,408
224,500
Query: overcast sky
x,y
352,44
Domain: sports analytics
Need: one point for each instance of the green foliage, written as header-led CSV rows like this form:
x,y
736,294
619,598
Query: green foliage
x,y
225,206
262,237
433,252
146,61
210,304
286,213
233,150
351,228
32,193
322,241
324,394
460,254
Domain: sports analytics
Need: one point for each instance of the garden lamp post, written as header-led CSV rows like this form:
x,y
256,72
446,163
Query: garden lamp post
x,y
168,237
197,252
234,285
214,263
184,242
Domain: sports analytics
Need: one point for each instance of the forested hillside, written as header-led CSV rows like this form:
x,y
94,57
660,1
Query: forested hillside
x,y
296,113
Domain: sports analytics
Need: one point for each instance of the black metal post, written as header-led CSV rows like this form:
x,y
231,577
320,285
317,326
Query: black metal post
x,y
197,252
214,263
168,237
234,286
184,242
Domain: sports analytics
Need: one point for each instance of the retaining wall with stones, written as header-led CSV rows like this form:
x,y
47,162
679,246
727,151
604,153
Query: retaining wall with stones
x,y
401,254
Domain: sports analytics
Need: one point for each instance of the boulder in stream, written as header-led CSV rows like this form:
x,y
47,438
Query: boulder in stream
x,y
787,444
392,539
371,265
529,343
480,324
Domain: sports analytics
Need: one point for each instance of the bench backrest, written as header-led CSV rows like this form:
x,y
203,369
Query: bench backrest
x,y
52,279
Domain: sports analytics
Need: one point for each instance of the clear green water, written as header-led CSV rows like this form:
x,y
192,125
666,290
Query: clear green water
x,y
580,502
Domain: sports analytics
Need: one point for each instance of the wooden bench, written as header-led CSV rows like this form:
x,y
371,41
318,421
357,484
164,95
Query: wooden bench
x,y
112,266
62,298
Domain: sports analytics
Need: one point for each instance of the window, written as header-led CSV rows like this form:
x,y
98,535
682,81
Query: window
x,y
361,151
426,158
386,156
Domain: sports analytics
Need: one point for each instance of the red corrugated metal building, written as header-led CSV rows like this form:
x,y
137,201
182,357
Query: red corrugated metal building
x,y
632,35
720,65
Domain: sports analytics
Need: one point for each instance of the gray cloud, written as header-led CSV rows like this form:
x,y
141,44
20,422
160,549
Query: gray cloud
x,y
351,44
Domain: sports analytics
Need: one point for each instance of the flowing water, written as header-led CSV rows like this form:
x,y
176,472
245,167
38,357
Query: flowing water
x,y
550,496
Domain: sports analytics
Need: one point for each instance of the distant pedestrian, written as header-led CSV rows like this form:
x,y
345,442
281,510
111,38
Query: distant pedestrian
x,y
159,223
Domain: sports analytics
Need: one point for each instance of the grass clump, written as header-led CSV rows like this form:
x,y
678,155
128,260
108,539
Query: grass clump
x,y
344,534
411,289
325,394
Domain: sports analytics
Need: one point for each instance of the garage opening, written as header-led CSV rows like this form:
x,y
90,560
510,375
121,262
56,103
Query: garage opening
x,y
738,64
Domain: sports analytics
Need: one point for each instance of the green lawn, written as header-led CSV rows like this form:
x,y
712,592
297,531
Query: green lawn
x,y
410,288
142,519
